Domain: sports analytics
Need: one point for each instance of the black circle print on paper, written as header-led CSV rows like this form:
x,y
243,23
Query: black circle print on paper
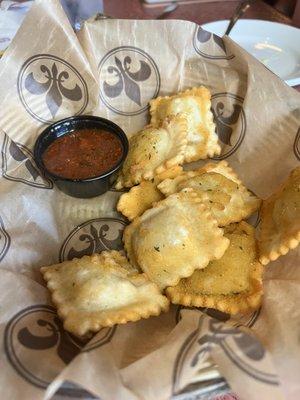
x,y
93,236
35,338
230,121
18,165
209,45
4,240
245,352
131,73
297,145
46,83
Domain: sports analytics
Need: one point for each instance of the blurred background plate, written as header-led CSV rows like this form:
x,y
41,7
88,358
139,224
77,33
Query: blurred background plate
x,y
12,14
274,44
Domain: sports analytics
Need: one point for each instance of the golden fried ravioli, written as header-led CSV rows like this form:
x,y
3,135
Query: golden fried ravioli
x,y
101,290
280,220
175,237
221,190
153,151
231,284
141,197
195,103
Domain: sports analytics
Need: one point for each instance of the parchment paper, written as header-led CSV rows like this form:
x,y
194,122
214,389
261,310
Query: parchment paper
x,y
115,67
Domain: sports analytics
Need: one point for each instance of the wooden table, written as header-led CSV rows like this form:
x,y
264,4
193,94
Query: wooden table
x,y
200,13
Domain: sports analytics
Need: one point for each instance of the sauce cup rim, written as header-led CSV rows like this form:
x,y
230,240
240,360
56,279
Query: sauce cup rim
x,y
107,125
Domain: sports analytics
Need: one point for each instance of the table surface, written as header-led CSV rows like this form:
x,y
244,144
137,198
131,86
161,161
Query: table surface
x,y
200,12
197,12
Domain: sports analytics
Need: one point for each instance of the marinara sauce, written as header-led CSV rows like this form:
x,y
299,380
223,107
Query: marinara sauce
x,y
83,154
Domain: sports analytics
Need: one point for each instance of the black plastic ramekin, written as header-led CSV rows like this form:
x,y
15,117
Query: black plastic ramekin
x,y
83,188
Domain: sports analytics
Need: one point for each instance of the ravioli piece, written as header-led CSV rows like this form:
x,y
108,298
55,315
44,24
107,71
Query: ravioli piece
x,y
220,188
195,103
172,239
153,151
231,284
101,290
118,259
280,220
222,168
141,197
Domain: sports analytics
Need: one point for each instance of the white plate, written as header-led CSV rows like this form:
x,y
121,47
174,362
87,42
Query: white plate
x,y
276,45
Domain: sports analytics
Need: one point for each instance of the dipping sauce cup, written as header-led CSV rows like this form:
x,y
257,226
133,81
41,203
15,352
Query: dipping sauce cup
x,y
82,155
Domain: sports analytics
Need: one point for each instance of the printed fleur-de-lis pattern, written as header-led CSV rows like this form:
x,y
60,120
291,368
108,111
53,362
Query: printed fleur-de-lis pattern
x,y
49,87
131,72
209,45
4,240
127,80
53,87
38,332
297,145
230,121
93,236
66,349
18,165
218,333
204,36
225,123
243,350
